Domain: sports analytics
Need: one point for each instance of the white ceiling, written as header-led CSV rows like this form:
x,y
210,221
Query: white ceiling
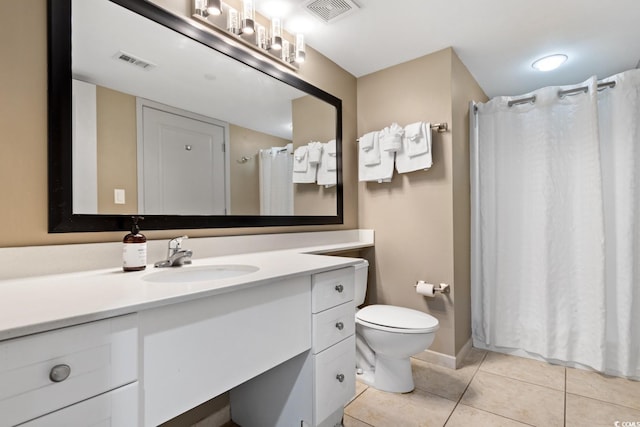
x,y
496,39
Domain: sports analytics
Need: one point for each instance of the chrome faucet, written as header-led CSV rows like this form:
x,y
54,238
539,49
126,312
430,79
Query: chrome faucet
x,y
176,255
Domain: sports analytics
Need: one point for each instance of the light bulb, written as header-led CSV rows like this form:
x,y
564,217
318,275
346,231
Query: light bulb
x,y
276,34
300,48
248,17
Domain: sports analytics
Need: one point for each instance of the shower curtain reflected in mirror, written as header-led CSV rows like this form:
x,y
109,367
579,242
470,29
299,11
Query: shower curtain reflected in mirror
x,y
555,241
276,186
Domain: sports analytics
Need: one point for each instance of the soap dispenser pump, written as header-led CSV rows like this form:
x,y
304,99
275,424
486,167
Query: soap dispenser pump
x,y
134,248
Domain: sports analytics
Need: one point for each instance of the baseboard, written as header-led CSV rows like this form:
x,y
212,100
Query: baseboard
x,y
445,360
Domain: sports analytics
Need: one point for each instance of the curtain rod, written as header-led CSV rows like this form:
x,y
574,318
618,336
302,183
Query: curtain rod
x,y
562,93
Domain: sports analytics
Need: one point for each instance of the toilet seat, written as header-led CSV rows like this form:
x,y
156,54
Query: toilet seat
x,y
396,319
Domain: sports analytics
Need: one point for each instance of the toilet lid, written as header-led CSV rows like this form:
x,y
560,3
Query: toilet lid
x,y
397,317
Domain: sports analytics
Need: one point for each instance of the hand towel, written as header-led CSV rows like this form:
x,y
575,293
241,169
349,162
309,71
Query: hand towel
x,y
405,162
326,176
300,159
303,174
380,172
330,148
391,139
370,148
415,138
315,152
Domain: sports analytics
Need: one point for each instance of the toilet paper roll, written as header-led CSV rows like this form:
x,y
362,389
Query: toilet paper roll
x,y
425,289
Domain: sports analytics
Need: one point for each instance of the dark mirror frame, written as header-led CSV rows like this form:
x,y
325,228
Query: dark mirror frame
x,y
61,216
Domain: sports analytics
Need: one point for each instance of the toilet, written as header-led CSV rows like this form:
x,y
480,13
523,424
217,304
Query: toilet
x,y
386,337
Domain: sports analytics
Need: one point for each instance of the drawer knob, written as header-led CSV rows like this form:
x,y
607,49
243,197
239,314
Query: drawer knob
x,y
340,326
59,373
339,288
340,377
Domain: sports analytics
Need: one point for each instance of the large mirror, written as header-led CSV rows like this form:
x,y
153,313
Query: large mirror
x,y
153,114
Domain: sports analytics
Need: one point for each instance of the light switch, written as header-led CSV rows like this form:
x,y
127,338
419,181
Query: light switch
x,y
118,196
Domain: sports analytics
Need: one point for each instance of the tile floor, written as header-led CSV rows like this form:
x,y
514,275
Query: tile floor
x,y
493,389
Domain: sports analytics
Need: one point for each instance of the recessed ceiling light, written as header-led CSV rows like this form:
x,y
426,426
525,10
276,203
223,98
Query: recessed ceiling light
x,y
550,62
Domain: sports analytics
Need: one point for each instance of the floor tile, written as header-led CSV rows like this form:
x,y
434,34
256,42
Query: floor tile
x,y
523,369
415,409
582,411
465,416
352,422
515,399
360,388
445,382
595,385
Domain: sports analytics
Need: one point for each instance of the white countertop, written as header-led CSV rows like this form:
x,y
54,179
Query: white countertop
x,y
36,304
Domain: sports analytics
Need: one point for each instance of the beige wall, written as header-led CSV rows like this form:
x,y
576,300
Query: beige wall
x,y
23,126
421,218
464,89
245,182
117,150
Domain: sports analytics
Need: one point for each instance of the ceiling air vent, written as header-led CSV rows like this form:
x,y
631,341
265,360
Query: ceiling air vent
x,y
329,11
134,60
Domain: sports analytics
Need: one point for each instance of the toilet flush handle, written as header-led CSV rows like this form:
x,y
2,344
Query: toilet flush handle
x,y
339,288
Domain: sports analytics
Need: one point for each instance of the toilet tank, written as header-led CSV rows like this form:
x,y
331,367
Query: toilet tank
x,y
362,268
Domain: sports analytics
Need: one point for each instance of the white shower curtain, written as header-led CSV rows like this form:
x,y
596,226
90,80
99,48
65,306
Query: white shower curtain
x,y
276,186
554,258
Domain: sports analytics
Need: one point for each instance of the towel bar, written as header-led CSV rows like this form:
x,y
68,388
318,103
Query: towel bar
x,y
439,127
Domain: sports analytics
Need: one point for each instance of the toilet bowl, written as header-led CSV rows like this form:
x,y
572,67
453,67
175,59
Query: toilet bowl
x,y
386,337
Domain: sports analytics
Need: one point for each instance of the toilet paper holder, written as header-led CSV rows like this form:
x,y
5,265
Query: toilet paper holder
x,y
442,287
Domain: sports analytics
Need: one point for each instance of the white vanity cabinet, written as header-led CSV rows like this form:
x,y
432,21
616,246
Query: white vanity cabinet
x,y
334,345
312,388
196,350
93,363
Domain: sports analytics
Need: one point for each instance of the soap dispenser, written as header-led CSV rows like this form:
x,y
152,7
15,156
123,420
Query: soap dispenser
x,y
134,248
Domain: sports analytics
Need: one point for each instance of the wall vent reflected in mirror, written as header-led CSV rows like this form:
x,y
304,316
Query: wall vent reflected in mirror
x,y
133,60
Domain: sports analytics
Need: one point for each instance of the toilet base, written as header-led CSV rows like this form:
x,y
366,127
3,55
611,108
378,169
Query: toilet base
x,y
392,375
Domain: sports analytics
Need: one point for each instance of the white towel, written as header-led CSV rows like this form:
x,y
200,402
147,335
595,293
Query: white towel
x,y
381,172
370,148
415,138
326,176
406,162
330,149
300,159
315,152
307,175
391,139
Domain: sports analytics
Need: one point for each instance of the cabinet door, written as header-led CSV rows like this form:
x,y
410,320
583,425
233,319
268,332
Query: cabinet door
x,y
117,408
335,378
198,349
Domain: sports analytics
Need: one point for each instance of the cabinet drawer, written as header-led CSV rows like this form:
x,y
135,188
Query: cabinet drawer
x,y
333,325
101,356
335,363
118,408
332,288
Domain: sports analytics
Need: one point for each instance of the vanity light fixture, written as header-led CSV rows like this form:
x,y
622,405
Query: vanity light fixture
x,y
276,34
261,36
214,7
550,62
286,51
248,17
208,7
300,49
233,21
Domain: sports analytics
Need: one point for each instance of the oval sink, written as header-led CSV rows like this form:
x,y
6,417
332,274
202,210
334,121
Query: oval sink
x,y
199,274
